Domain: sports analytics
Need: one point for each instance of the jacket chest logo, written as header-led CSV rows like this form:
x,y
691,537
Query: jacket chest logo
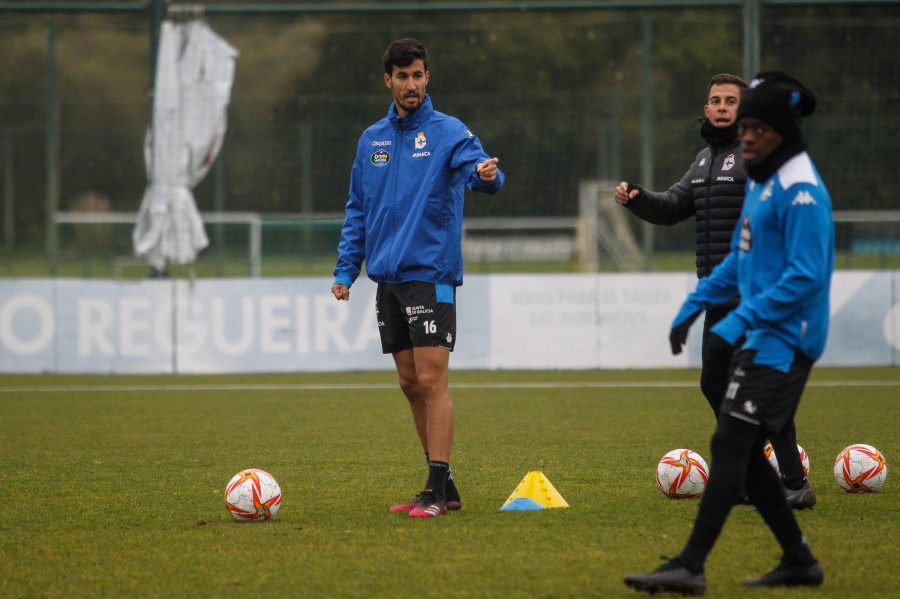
x,y
380,158
729,162
420,144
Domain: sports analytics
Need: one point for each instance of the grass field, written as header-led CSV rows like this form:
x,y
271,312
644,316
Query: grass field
x,y
113,486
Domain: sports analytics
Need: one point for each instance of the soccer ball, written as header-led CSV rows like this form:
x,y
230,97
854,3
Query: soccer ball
x,y
252,494
860,468
770,454
682,474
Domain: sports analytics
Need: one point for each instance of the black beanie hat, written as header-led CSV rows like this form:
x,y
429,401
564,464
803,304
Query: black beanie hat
x,y
779,100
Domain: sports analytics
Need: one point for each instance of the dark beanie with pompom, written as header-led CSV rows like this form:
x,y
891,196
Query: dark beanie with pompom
x,y
780,101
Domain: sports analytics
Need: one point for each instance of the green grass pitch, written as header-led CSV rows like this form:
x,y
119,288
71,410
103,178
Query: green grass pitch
x,y
113,486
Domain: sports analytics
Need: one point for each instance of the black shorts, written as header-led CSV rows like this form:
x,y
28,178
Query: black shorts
x,y
762,395
415,314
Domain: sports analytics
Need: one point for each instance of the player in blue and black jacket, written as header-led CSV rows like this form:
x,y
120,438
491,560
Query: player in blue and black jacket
x,y
404,215
781,261
404,220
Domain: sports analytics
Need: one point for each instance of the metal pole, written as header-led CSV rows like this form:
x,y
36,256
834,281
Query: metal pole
x,y
72,6
752,17
52,148
219,206
9,213
306,187
320,7
615,112
157,13
647,125
458,6
255,247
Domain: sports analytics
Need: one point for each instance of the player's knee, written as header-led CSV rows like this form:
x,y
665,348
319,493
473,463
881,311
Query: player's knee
x,y
432,385
410,387
713,391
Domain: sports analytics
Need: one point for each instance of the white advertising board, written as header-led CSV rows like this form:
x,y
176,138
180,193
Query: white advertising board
x,y
275,325
543,321
28,331
635,316
574,321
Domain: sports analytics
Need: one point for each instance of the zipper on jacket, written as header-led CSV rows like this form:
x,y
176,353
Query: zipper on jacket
x,y
713,154
395,225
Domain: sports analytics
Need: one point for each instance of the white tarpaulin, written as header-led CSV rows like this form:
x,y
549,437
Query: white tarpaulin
x,y
194,74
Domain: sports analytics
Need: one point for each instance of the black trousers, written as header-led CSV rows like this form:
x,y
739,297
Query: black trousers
x,y
738,462
760,399
713,382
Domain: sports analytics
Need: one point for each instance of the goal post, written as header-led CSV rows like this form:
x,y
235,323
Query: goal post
x,y
602,223
253,220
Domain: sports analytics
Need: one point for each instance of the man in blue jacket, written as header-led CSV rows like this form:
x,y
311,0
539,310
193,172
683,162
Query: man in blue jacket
x,y
404,219
781,261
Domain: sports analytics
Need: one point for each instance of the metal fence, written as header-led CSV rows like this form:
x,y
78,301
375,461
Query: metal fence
x,y
601,91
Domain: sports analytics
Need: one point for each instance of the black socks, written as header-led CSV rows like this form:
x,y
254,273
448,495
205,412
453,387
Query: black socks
x,y
438,473
450,491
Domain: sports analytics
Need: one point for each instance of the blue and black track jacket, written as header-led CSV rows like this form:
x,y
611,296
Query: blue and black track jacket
x,y
781,261
404,215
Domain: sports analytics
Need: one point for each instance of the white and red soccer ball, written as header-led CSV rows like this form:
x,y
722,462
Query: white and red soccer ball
x,y
770,454
860,468
682,474
252,494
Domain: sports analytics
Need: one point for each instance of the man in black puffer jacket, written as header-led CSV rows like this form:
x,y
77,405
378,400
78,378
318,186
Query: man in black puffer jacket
x,y
712,191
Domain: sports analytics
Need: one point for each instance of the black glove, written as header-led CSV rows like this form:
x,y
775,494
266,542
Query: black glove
x,y
632,187
678,334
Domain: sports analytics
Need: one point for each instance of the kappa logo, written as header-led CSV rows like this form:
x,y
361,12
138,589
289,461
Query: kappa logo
x,y
767,191
749,407
380,158
702,162
729,163
803,198
420,140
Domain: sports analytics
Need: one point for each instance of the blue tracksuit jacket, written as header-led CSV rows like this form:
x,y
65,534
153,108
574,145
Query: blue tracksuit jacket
x,y
404,215
781,261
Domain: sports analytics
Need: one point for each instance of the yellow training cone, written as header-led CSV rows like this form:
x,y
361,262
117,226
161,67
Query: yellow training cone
x,y
534,489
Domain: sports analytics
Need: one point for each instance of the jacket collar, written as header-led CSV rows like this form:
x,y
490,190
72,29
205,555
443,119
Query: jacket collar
x,y
718,137
413,119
